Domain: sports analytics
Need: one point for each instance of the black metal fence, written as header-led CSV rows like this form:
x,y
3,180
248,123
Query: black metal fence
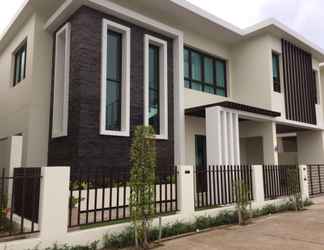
x,y
280,181
102,195
315,179
215,185
19,202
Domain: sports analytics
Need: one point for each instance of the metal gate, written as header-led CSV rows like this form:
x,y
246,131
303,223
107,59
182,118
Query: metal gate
x,y
315,179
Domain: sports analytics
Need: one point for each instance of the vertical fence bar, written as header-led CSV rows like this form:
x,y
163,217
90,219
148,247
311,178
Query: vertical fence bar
x,y
110,194
103,200
2,198
311,179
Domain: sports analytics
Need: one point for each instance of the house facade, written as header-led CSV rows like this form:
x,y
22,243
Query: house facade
x,y
77,77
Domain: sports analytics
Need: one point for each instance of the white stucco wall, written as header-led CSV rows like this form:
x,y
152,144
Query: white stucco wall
x,y
310,147
194,126
267,131
251,76
24,109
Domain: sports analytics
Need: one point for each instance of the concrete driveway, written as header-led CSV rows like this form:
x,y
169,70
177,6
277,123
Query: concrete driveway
x,y
287,231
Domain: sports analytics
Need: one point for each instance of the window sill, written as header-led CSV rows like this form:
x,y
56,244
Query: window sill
x,y
56,135
161,137
115,133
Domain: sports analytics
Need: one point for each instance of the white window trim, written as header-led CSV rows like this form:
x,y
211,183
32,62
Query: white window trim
x,y
163,84
125,102
67,30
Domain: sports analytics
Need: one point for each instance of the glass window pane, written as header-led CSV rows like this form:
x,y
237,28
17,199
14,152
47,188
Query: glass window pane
x,y
187,84
186,63
220,92
275,66
22,73
154,83
114,59
209,70
17,68
220,73
209,89
197,86
113,114
114,56
196,66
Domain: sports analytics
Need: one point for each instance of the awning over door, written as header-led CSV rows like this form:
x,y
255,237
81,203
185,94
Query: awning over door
x,y
200,111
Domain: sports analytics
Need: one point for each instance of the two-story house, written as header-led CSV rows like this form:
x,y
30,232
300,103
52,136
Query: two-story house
x,y
76,78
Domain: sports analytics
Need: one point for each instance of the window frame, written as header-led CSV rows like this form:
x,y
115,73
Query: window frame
x,y
21,48
163,82
276,82
56,133
125,81
203,83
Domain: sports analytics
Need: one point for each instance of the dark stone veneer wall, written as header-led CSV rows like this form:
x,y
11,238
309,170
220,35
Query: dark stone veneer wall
x,y
84,147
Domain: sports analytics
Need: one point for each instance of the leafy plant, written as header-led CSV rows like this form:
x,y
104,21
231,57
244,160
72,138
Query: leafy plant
x,y
142,183
294,188
243,203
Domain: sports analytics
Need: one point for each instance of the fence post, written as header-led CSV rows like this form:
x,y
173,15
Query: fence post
x,y
303,182
53,204
258,188
186,194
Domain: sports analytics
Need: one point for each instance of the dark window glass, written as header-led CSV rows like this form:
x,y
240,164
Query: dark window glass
x,y
154,85
20,64
209,70
114,76
196,66
276,72
186,63
204,73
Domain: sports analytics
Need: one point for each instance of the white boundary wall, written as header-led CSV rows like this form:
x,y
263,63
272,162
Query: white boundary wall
x,y
54,202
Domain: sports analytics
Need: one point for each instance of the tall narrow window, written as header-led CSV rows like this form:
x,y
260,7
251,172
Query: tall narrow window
x,y
155,85
20,64
115,90
61,82
204,73
276,72
114,78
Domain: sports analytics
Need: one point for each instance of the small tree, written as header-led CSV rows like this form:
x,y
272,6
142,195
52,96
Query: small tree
x,y
243,203
142,183
294,188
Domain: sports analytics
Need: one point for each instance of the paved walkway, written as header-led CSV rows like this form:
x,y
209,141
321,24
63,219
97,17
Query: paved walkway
x,y
287,231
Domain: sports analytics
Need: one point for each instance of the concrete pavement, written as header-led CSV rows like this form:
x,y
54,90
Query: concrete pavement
x,y
287,231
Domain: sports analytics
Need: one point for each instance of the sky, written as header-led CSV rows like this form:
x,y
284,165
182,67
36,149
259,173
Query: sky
x,y
304,16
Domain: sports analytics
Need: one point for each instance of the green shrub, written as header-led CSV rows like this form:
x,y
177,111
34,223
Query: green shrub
x,y
92,246
308,203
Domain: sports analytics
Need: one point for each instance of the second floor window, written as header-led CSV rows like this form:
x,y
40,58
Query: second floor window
x,y
114,79
276,72
154,85
20,64
204,73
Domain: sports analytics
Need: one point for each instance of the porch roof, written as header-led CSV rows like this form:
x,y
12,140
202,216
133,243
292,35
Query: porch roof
x,y
200,111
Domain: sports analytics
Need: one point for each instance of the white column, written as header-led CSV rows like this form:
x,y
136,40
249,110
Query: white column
x,y
270,143
222,136
186,198
15,158
303,182
257,183
179,110
54,204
